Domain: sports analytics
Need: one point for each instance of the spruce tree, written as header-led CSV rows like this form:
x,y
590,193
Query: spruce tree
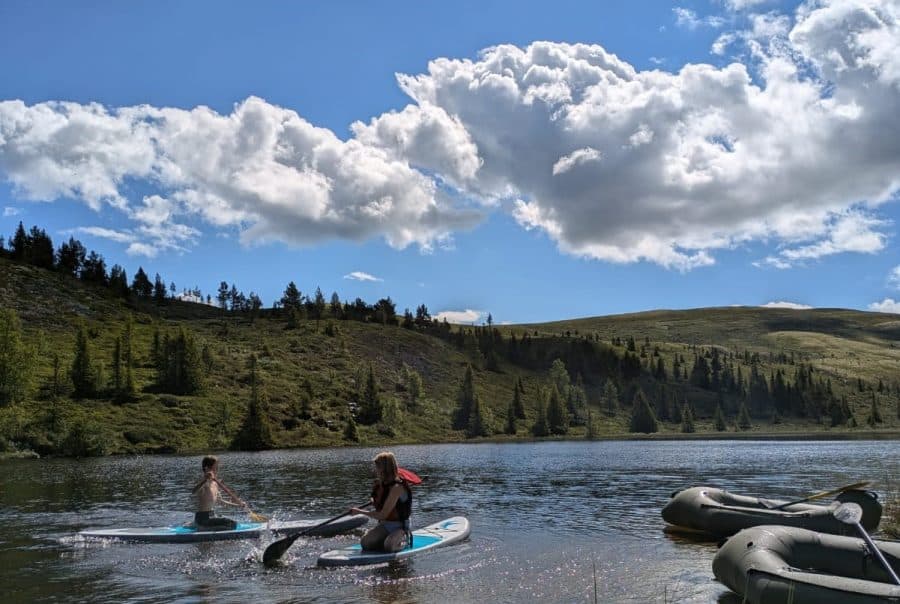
x,y
611,397
874,413
351,432
687,420
591,429
370,406
465,398
16,360
478,422
83,372
642,418
557,416
540,427
518,405
510,427
743,419
255,433
719,419
128,386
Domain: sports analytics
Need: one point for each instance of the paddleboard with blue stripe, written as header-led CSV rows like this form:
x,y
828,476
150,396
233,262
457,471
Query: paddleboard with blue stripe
x,y
249,530
445,532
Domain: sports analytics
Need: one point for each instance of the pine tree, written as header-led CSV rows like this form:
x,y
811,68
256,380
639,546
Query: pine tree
x,y
642,418
70,257
141,285
743,419
510,427
591,431
540,427
478,422
255,433
117,366
83,372
413,383
557,416
719,419
351,432
19,244
465,400
687,420
874,413
370,408
517,404
16,360
128,386
611,397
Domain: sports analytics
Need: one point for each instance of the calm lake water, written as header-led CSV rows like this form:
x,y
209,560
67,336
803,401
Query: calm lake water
x,y
546,519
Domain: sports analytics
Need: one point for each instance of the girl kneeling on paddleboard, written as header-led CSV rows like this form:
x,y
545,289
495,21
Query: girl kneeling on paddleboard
x,y
392,499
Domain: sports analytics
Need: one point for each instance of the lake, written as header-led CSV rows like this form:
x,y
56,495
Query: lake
x,y
548,519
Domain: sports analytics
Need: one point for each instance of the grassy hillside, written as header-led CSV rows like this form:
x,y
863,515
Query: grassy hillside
x,y
312,380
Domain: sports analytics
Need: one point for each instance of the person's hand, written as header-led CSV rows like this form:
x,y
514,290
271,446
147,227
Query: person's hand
x,y
356,511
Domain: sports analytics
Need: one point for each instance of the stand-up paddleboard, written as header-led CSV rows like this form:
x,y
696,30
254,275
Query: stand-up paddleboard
x,y
251,530
438,534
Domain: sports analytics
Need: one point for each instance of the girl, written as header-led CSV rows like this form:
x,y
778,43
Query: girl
x,y
392,499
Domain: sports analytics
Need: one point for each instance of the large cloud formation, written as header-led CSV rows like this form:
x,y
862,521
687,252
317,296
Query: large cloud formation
x,y
796,143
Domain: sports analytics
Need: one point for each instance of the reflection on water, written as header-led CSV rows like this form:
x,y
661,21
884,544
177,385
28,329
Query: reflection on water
x,y
544,517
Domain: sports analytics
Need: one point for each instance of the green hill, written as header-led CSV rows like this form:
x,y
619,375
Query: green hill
x,y
312,375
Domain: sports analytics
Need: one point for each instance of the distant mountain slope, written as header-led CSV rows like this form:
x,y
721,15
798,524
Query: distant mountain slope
x,y
312,377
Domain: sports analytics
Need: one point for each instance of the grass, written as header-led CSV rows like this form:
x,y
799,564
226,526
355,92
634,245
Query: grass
x,y
843,345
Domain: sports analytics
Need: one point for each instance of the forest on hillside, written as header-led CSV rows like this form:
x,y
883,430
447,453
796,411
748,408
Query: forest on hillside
x,y
162,371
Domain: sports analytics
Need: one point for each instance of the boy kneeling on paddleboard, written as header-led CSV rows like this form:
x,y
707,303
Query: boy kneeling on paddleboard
x,y
207,491
392,500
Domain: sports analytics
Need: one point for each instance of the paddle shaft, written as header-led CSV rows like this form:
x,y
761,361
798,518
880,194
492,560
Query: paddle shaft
x,y
276,549
848,487
877,552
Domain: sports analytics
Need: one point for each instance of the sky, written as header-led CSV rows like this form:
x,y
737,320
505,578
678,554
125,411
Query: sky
x,y
536,163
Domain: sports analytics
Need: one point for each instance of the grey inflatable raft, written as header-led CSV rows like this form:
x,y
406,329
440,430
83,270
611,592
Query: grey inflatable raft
x,y
718,513
780,564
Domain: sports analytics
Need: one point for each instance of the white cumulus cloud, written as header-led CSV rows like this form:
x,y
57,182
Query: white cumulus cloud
x,y
459,316
789,145
261,167
361,276
887,305
790,305
894,277
687,18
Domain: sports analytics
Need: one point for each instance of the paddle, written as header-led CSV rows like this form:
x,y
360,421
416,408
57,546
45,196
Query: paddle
x,y
276,549
253,515
849,487
851,513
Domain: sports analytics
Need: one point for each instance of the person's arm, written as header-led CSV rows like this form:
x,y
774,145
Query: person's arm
x,y
202,482
389,504
235,500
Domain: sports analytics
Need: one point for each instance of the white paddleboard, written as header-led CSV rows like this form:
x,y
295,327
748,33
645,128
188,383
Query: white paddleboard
x,y
438,534
251,530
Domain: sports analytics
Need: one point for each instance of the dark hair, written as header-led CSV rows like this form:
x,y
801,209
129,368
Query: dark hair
x,y
208,462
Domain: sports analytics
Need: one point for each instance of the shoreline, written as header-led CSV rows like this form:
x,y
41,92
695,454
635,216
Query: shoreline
x,y
825,435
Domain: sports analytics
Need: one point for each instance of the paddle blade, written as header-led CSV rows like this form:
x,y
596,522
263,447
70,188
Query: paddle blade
x,y
276,549
849,487
258,517
407,476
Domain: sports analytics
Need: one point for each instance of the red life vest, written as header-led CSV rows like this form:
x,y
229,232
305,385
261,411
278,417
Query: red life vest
x,y
403,509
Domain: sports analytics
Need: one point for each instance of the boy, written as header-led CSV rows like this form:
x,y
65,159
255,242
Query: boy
x,y
207,491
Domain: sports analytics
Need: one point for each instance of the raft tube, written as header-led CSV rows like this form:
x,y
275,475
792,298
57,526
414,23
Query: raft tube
x,y
780,564
718,513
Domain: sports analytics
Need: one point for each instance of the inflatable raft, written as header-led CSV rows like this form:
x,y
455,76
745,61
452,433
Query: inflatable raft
x,y
780,564
719,513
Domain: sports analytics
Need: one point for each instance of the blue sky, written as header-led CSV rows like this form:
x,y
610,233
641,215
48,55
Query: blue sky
x,y
594,159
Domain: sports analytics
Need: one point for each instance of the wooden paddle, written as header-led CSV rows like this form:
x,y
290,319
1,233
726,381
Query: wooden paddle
x,y
276,549
253,515
848,487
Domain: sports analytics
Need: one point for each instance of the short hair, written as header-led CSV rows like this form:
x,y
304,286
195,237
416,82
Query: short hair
x,y
208,462
386,464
